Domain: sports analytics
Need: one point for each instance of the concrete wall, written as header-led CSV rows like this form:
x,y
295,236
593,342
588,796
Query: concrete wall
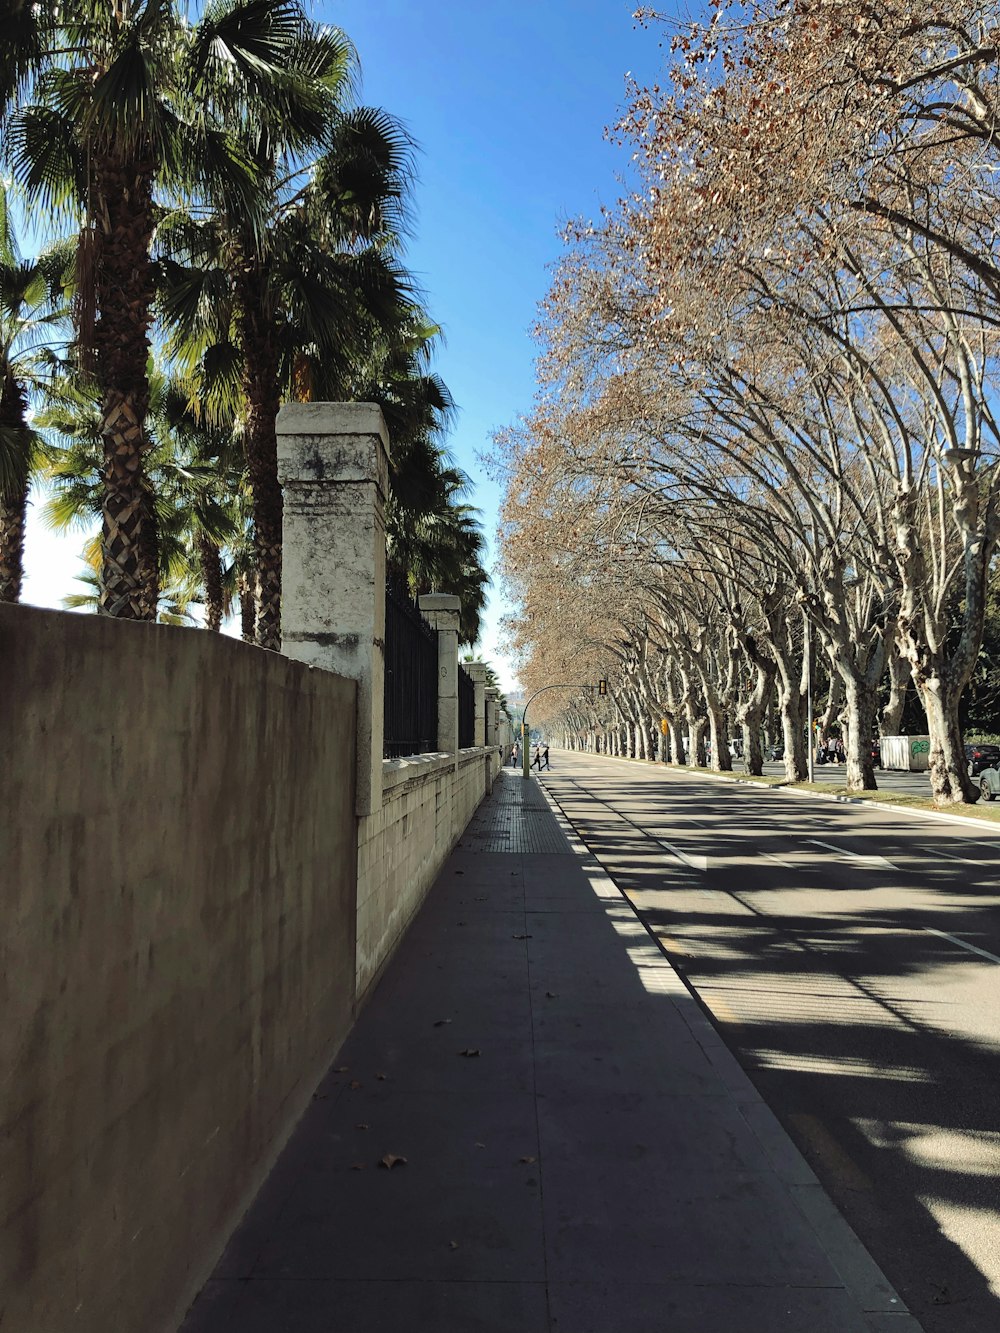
x,y
176,950
427,802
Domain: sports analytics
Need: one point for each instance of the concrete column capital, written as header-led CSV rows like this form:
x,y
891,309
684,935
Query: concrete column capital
x,y
441,609
333,443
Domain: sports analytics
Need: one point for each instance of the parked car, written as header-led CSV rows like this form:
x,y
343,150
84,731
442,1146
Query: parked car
x,y
981,757
989,784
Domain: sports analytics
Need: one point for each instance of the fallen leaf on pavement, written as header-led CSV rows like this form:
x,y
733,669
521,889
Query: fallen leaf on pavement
x,y
441,1022
470,1050
358,1166
521,937
551,995
526,1161
390,1160
381,1077
480,1145
356,1083
453,1245
362,1126
342,1069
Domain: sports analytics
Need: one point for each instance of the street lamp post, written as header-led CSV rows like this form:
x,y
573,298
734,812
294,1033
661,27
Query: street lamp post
x,y
809,696
525,733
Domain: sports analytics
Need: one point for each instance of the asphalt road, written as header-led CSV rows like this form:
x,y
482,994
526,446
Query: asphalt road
x,y
851,960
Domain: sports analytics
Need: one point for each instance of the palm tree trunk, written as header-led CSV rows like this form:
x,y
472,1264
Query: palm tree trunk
x,y
211,577
122,207
248,609
260,383
14,501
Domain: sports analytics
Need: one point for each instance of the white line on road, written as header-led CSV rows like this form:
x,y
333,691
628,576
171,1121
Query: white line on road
x,y
962,944
854,856
778,861
948,856
695,862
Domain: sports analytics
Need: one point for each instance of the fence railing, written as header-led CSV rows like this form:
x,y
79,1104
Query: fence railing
x,y
466,709
411,678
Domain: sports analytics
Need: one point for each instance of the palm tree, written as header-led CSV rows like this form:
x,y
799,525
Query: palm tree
x,y
193,486
437,543
128,105
297,314
31,314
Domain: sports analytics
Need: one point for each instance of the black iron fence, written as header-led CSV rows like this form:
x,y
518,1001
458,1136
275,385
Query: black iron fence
x,y
466,709
411,676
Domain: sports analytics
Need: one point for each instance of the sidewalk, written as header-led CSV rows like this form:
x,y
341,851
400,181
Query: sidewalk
x,y
582,1153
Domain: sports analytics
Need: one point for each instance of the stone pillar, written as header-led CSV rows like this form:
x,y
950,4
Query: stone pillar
x,y
477,670
441,609
492,731
334,471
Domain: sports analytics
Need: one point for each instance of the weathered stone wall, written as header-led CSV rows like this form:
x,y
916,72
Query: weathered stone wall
x,y
177,956
427,803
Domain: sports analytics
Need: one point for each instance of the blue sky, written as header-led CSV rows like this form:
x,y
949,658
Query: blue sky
x,y
508,104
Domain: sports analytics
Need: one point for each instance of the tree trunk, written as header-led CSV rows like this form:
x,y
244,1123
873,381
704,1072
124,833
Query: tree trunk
x,y
860,707
753,751
722,760
752,714
119,243
260,384
248,608
13,503
834,699
211,577
697,726
792,723
940,676
950,781
12,511
899,679
679,758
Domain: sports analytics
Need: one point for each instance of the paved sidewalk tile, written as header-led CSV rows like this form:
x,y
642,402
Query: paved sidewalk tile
x,y
599,1164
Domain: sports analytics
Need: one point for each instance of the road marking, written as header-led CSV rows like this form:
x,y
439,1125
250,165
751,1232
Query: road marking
x,y
962,944
789,865
854,856
948,856
695,862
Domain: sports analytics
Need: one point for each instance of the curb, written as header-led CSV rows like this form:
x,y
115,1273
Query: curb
x,y
983,825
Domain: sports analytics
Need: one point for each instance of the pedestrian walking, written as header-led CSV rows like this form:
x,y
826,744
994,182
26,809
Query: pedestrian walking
x,y
545,759
536,758
514,754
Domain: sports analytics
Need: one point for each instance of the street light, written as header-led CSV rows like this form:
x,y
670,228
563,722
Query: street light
x,y
810,739
525,733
